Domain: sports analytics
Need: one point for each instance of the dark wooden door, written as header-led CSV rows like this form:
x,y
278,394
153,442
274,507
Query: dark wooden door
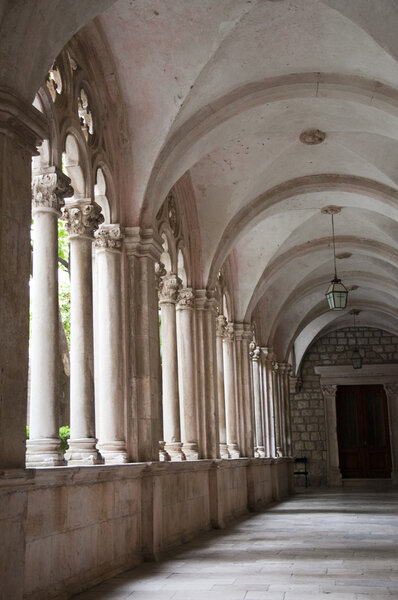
x,y
363,431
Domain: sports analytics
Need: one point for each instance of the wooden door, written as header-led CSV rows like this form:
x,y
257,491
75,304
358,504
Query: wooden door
x,y
363,431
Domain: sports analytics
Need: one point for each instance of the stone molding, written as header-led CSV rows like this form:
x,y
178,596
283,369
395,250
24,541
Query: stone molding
x,y
169,287
108,237
82,219
49,188
22,121
185,298
142,243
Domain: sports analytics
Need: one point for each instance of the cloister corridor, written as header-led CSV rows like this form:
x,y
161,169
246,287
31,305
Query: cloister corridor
x,y
337,544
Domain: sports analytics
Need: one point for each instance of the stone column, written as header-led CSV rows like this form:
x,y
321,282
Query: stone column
x,y
229,391
81,220
212,424
49,190
277,408
220,332
142,250
283,394
168,290
247,389
333,464
258,416
391,390
269,404
22,128
109,392
186,373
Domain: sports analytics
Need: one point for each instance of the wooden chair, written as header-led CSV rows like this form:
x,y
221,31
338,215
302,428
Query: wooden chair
x,y
300,468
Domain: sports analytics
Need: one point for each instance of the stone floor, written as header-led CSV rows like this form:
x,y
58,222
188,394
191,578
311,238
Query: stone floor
x,y
337,545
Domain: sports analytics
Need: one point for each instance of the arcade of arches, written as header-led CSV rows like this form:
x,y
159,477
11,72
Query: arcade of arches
x,y
189,153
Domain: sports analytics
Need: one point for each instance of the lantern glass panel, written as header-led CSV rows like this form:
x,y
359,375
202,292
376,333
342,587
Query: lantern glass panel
x,y
336,295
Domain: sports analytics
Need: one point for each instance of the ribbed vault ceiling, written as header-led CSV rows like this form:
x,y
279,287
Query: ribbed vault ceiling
x,y
223,89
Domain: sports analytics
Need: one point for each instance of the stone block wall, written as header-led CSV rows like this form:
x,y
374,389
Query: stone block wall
x,y
307,405
113,517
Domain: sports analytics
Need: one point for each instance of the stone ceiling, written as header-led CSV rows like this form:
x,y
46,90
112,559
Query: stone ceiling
x,y
224,89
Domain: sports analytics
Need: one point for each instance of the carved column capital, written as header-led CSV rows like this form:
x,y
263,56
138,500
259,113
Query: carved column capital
x,y
221,323
108,237
329,390
82,219
255,352
229,332
168,288
185,298
49,188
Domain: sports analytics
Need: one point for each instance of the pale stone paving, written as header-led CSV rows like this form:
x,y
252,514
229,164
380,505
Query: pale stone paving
x,y
337,545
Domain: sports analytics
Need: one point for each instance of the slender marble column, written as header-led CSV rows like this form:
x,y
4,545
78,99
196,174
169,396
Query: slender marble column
x,y
212,424
109,392
186,373
81,220
169,286
220,332
269,405
49,190
229,390
277,408
283,403
243,336
255,355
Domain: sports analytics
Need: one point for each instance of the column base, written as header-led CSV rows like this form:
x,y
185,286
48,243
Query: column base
x,y
334,477
259,452
113,452
83,452
190,449
224,451
174,450
163,455
233,450
44,452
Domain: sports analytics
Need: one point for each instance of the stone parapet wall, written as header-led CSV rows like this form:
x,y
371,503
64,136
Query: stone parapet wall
x,y
67,528
307,405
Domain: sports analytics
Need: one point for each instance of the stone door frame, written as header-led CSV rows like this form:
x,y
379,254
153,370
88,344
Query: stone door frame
x,y
332,376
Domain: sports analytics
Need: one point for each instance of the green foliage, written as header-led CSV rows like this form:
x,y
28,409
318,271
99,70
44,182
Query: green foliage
x,y
64,435
27,432
64,307
63,246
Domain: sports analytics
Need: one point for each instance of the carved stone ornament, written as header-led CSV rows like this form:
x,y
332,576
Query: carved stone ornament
x,y
186,297
172,214
85,115
82,219
108,236
221,323
329,390
229,332
54,82
160,272
168,288
50,189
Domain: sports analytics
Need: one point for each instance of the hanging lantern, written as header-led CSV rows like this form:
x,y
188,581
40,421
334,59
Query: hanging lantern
x,y
356,359
337,293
